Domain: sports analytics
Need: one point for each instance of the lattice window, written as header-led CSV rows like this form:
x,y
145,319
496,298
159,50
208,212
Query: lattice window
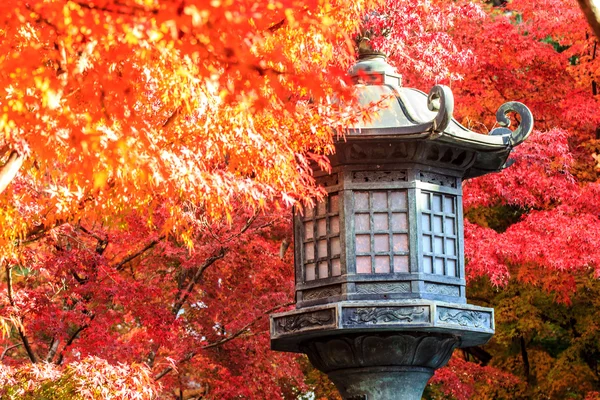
x,y
439,233
381,232
321,241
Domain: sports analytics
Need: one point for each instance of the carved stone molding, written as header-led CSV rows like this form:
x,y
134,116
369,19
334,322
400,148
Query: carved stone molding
x,y
472,324
320,293
423,350
437,179
446,290
465,318
378,176
384,315
382,288
305,321
328,180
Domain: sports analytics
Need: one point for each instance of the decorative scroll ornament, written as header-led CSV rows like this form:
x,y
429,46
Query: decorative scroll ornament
x,y
302,321
441,99
517,136
463,318
376,315
321,293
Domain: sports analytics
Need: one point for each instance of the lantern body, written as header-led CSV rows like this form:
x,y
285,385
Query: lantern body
x,y
388,229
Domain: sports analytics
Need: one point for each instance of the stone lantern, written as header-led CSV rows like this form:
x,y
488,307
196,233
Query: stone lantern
x,y
380,274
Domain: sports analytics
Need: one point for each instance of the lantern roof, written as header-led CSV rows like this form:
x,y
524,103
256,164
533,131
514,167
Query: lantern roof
x,y
410,114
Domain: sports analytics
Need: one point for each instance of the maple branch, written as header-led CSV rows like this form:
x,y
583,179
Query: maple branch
x,y
199,272
246,227
121,265
525,358
10,169
39,231
285,244
276,26
134,9
9,348
183,295
40,18
479,353
52,350
237,334
172,117
591,9
594,84
72,338
11,300
102,242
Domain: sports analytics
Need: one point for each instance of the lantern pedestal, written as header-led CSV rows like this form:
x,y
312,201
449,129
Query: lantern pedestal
x,y
403,383
381,365
381,350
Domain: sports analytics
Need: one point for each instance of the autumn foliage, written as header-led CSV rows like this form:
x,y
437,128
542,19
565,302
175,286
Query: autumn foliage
x,y
150,152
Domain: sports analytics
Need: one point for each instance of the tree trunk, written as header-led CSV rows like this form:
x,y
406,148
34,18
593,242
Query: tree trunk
x,y
10,169
591,9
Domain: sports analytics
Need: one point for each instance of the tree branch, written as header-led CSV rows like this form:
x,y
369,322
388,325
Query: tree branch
x,y
121,265
591,10
237,334
72,339
479,353
10,169
183,296
124,11
39,231
20,330
52,350
172,117
102,242
9,348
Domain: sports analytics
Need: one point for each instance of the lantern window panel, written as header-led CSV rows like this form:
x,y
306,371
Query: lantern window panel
x,y
321,239
398,200
310,272
439,241
399,222
336,267
382,264
381,221
363,264
381,231
323,269
335,246
401,264
362,222
334,225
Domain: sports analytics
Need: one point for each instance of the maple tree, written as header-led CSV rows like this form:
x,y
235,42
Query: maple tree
x,y
151,150
143,143
531,233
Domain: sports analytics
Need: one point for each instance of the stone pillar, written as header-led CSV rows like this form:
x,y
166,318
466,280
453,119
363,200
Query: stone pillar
x,y
381,366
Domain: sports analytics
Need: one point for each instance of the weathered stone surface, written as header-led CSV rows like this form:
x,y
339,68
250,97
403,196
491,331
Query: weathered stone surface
x,y
296,323
465,318
381,366
384,315
383,288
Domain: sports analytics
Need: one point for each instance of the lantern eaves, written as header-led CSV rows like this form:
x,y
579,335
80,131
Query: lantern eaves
x,y
410,114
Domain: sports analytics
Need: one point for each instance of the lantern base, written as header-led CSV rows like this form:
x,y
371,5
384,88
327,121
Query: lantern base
x,y
381,366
